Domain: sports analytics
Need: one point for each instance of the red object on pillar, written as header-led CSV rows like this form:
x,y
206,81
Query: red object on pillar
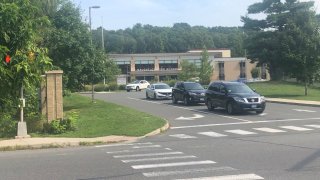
x,y
7,59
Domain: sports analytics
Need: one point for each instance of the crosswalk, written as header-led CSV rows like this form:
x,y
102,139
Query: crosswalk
x,y
253,131
156,162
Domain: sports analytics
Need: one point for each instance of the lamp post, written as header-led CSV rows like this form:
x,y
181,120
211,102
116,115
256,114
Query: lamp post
x,y
92,91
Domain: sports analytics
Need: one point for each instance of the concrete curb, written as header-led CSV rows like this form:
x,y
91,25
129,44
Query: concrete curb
x,y
294,102
41,143
158,131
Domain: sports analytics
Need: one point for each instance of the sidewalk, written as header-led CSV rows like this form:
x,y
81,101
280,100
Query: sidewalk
x,y
37,143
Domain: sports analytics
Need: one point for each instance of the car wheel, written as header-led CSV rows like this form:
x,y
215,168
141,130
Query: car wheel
x,y
259,112
128,90
147,95
155,96
209,105
230,109
185,101
174,100
137,88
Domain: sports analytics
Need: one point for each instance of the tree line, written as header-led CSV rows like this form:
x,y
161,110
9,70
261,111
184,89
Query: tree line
x,y
181,37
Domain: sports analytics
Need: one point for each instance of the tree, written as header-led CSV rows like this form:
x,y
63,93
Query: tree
x,y
188,71
286,40
70,48
206,69
20,39
111,70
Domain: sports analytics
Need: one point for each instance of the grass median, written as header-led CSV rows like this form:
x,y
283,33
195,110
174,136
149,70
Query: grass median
x,y
103,119
286,90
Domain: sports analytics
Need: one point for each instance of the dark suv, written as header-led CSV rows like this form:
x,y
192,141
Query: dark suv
x,y
234,97
188,92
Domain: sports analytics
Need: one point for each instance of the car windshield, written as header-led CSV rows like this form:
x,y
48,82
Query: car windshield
x,y
135,82
239,88
193,86
161,86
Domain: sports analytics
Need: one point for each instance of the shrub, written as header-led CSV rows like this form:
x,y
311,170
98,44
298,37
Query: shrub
x,y
62,126
171,82
87,88
66,92
34,122
8,126
255,72
106,87
99,87
113,86
122,87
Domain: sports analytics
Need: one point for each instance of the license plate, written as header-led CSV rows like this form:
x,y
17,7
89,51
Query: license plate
x,y
253,106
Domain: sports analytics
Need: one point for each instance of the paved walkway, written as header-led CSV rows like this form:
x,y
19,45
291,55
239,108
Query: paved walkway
x,y
30,143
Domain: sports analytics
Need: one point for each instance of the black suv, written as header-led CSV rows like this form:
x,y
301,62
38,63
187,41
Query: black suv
x,y
188,92
234,97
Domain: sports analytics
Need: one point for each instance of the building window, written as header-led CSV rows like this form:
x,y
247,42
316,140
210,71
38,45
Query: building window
x,y
124,66
242,69
221,70
168,65
144,65
197,62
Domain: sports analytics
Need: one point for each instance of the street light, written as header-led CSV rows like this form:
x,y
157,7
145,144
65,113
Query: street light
x,y
92,91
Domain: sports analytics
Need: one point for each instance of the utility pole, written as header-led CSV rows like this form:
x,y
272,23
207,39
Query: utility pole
x,y
92,88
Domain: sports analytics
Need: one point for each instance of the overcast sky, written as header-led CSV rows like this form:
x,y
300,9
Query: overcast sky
x,y
121,14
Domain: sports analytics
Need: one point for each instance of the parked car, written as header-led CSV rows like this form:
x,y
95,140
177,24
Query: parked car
x,y
234,97
137,85
159,91
188,92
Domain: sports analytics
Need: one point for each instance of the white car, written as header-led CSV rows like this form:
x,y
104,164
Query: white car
x,y
137,85
159,91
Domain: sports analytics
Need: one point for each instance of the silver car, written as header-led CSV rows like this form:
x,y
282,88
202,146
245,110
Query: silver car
x,y
159,91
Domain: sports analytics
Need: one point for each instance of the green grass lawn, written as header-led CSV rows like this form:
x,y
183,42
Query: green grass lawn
x,y
102,119
286,90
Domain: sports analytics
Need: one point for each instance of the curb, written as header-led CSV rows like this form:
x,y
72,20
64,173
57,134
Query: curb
x,y
158,131
294,102
45,143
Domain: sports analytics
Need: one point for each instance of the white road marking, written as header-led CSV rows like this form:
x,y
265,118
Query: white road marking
x,y
195,116
157,159
270,130
148,166
150,146
303,110
124,144
212,134
229,177
296,128
241,132
240,123
263,114
188,171
148,154
313,125
183,136
133,151
179,107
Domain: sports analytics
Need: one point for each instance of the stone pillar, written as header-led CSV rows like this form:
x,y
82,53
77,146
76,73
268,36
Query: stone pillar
x,y
51,95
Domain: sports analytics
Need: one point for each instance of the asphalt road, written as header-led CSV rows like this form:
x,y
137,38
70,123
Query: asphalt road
x,y
280,144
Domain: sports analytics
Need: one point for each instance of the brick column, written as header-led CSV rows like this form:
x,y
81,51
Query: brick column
x,y
52,103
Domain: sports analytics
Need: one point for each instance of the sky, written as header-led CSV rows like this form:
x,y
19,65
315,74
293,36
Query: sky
x,y
122,14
